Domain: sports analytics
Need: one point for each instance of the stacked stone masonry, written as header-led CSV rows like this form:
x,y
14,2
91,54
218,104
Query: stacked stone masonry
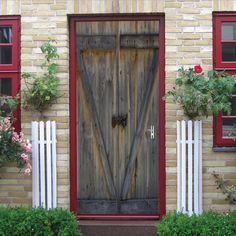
x,y
188,41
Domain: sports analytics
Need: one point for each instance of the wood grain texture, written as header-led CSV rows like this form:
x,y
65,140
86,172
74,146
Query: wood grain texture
x,y
123,81
137,206
97,126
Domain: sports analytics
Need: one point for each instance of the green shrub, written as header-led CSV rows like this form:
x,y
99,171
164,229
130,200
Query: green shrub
x,y
37,221
207,224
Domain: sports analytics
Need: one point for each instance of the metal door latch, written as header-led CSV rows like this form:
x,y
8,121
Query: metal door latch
x,y
119,120
152,131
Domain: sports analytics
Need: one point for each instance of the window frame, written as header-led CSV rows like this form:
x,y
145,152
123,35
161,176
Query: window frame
x,y
12,71
14,23
228,66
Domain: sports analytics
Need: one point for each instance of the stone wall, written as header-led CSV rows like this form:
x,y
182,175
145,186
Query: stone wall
x,y
188,27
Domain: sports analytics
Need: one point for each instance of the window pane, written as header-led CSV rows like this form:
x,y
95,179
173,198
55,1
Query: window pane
x,y
228,31
229,128
5,35
5,55
5,87
229,52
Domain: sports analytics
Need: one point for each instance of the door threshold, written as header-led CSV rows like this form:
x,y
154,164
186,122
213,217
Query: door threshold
x,y
118,227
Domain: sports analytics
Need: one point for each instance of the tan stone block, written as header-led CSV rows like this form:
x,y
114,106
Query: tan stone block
x,y
62,175
7,181
13,188
189,11
36,2
187,23
58,7
171,170
3,194
172,5
63,188
204,4
188,36
17,194
213,163
24,2
230,163
63,195
63,181
22,201
188,49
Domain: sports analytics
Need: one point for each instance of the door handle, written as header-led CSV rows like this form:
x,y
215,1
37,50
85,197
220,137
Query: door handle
x,y
152,132
119,120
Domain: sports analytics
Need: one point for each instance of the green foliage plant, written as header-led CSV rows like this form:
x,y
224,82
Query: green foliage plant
x,y
208,224
8,105
229,190
37,221
199,95
43,91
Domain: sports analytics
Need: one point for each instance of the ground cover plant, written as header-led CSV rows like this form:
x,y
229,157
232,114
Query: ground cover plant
x,y
208,224
37,221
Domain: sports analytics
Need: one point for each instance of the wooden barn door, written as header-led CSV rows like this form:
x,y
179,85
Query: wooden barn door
x,y
117,117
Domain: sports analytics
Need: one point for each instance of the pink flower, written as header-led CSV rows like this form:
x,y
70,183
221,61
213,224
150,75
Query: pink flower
x,y
7,121
198,69
27,171
28,148
25,157
15,136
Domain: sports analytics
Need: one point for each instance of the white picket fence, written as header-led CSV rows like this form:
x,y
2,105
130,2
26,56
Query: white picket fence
x,y
189,167
44,173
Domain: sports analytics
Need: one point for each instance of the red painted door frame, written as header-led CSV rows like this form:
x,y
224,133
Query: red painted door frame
x,y
73,104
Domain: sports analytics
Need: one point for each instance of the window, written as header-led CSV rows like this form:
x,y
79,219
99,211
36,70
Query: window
x,y
10,58
224,41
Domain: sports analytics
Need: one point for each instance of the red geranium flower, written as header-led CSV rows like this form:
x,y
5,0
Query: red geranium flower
x,y
198,69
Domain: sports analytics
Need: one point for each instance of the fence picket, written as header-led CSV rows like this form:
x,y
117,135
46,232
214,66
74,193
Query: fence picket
x,y
44,164
200,167
196,167
35,165
54,166
178,167
189,171
49,165
183,166
190,168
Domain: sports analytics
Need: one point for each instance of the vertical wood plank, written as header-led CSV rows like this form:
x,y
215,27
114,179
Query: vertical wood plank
x,y
54,165
97,127
190,168
141,121
196,167
49,165
42,164
178,124
35,165
183,166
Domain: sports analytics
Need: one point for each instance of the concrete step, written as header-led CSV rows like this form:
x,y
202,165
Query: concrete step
x,y
118,227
